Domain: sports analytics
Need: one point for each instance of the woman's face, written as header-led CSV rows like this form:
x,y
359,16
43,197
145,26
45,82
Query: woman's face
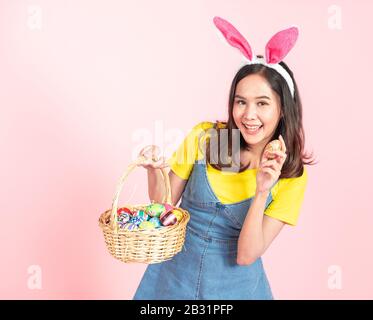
x,y
256,110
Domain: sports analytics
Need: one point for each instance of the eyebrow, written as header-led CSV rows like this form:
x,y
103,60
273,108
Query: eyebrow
x,y
261,97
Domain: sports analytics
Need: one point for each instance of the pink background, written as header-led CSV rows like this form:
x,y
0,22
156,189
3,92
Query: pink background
x,y
75,92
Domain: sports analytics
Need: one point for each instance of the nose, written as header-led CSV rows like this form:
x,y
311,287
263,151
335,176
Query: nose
x,y
250,112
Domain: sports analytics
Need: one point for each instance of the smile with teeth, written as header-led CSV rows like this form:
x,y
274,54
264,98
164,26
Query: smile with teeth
x,y
252,128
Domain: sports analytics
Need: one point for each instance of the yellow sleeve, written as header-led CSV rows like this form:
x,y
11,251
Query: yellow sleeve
x,y
182,160
288,195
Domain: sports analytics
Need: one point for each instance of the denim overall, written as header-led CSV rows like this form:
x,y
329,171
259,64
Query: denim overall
x,y
206,268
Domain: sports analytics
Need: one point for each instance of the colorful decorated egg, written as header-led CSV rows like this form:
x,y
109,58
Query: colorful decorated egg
x,y
121,224
155,209
130,226
136,220
274,145
124,210
124,217
168,208
156,222
141,214
172,217
146,225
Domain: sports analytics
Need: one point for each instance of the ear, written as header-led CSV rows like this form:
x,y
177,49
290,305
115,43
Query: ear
x,y
233,37
280,44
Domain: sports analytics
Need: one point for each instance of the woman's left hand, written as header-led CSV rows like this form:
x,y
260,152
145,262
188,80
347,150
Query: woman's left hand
x,y
270,169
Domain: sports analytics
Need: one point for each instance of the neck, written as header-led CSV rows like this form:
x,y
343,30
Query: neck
x,y
250,157
253,155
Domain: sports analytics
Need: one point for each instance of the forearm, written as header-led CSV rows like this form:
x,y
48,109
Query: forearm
x,y
251,239
156,188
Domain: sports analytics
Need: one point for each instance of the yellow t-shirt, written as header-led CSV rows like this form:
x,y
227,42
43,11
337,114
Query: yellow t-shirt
x,y
287,193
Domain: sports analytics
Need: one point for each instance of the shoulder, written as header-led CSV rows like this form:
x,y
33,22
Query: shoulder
x,y
205,127
291,186
201,130
302,179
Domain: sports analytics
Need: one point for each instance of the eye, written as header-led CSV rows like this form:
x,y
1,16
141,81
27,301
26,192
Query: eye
x,y
263,103
239,102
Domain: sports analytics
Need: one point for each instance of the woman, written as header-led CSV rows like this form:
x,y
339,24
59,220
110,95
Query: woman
x,y
238,200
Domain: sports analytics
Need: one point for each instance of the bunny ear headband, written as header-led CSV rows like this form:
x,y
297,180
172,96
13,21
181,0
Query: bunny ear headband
x,y
275,51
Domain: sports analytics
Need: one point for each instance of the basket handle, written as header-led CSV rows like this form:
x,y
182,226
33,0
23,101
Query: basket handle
x,y
166,197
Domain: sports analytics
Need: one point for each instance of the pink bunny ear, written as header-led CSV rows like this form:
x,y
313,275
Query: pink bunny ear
x,y
280,44
233,37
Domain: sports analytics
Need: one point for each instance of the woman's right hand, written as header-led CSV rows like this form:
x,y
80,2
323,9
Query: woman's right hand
x,y
151,160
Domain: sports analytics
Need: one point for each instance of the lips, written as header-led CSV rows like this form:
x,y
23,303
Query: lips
x,y
253,126
252,129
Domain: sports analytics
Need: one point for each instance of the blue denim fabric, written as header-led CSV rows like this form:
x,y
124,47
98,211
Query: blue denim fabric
x,y
206,268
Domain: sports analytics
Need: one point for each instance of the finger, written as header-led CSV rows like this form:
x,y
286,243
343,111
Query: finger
x,y
279,156
283,145
161,163
150,151
270,171
146,166
273,164
272,153
268,162
266,155
273,173
147,162
151,164
144,150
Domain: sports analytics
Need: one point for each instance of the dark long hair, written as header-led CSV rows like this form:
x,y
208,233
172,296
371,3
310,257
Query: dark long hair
x,y
290,125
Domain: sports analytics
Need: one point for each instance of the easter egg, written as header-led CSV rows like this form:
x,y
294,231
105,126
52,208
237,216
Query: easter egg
x,y
168,208
155,209
141,214
156,222
172,217
145,225
121,224
124,217
123,210
274,145
136,220
130,226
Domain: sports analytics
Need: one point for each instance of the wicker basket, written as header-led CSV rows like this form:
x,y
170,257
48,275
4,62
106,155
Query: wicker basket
x,y
145,246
